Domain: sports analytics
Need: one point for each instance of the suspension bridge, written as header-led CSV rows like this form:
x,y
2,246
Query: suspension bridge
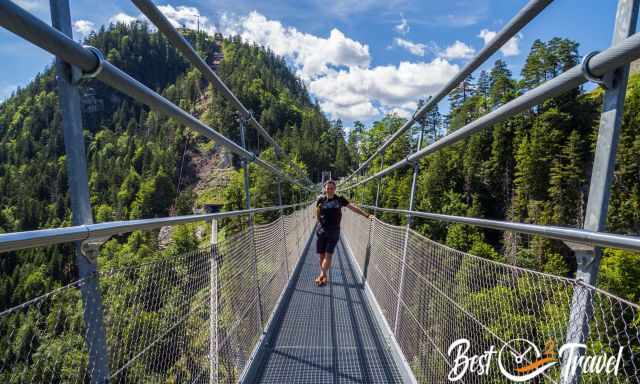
x,y
245,309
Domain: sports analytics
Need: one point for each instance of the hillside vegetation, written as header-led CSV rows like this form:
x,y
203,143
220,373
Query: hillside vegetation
x,y
532,168
142,164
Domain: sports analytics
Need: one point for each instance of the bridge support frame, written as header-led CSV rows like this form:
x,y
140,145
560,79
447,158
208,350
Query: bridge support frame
x,y
85,257
588,258
214,289
284,238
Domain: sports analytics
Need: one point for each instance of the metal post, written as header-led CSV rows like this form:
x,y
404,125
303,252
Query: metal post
x,y
86,251
298,234
213,305
375,211
247,205
412,199
588,259
284,241
362,191
245,167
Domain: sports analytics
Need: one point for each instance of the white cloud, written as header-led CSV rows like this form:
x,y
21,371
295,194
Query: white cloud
x,y
188,17
403,27
417,49
312,56
511,48
83,28
405,110
122,18
179,16
458,50
335,68
353,94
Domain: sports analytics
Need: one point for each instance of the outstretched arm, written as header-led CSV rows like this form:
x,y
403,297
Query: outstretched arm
x,y
359,211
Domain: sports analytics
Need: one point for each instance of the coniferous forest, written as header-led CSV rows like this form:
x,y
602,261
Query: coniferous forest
x,y
532,168
136,157
140,165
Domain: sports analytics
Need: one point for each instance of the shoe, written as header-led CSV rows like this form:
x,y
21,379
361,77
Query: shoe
x,y
323,280
318,280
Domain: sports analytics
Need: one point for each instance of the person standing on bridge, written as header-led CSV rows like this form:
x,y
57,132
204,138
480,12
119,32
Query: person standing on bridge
x,y
329,213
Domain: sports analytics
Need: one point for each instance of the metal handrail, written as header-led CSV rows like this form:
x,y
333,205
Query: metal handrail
x,y
522,18
600,64
29,27
573,235
181,44
45,237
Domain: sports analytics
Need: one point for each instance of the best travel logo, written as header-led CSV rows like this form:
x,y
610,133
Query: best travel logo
x,y
520,360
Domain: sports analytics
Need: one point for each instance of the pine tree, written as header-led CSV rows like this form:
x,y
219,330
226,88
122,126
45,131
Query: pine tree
x,y
535,71
567,183
433,125
461,93
483,86
501,85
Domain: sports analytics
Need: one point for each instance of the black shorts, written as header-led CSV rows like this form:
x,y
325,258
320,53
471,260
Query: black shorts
x,y
327,240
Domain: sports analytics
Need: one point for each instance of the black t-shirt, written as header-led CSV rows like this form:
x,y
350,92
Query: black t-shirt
x,y
330,211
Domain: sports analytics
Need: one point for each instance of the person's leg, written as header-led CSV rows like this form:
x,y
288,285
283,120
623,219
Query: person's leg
x,y
323,256
332,241
325,265
321,246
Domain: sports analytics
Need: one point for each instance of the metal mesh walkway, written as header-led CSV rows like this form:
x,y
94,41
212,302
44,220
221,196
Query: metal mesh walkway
x,y
327,334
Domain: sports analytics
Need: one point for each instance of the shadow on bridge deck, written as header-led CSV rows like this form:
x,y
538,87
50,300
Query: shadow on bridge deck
x,y
326,334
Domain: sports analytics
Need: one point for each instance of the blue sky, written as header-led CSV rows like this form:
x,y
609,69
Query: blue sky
x,y
359,58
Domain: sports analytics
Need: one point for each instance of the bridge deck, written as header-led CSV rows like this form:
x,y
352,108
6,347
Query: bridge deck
x,y
327,334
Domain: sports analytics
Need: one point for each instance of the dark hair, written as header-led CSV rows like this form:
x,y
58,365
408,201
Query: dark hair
x,y
330,182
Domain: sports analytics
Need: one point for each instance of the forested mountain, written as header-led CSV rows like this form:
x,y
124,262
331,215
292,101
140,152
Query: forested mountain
x,y
137,157
532,168
141,165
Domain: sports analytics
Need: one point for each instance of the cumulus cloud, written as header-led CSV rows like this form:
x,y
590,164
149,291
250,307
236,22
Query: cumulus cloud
x,y
189,17
180,16
417,49
122,17
336,68
313,56
83,28
403,27
405,110
511,48
353,94
458,50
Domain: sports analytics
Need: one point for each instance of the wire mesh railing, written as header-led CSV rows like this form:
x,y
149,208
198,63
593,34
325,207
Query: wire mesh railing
x,y
178,318
446,295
